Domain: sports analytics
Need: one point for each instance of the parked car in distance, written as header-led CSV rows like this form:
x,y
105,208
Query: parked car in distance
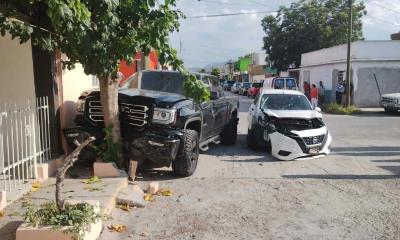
x,y
159,125
235,88
228,85
281,83
391,102
284,122
244,87
255,89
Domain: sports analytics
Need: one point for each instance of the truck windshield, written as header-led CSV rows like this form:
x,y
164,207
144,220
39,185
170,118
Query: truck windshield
x,y
257,85
285,102
247,85
171,82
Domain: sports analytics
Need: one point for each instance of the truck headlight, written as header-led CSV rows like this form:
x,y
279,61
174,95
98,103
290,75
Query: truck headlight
x,y
80,105
164,116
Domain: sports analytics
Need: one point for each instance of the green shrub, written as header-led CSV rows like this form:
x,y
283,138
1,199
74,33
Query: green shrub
x,y
109,151
77,216
338,109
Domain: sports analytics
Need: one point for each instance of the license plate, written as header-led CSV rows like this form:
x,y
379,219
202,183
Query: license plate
x,y
313,151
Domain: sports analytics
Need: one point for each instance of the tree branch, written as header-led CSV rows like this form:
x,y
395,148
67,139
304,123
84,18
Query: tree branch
x,y
69,162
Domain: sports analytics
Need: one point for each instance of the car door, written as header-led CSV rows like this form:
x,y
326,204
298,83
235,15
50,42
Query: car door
x,y
252,111
220,105
208,114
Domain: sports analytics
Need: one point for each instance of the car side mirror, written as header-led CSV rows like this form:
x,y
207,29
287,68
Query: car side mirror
x,y
318,109
214,95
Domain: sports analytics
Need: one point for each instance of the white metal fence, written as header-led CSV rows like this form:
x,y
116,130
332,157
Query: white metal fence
x,y
24,142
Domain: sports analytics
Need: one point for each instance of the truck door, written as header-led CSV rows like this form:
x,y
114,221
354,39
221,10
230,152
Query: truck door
x,y
220,106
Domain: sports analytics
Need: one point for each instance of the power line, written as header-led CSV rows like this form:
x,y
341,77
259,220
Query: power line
x,y
384,7
229,14
381,20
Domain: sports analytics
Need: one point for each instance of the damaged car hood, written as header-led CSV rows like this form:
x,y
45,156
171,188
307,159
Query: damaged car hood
x,y
304,114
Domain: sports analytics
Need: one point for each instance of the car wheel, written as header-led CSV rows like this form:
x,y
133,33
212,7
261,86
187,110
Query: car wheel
x,y
387,110
185,164
229,134
251,140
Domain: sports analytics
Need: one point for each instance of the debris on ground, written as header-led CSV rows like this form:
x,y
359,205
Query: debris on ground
x,y
132,195
2,214
35,186
117,228
144,234
153,188
91,180
164,192
125,207
149,197
94,189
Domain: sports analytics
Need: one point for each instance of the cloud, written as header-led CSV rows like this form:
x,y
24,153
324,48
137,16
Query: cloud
x,y
210,40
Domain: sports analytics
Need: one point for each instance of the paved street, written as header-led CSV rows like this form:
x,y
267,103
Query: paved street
x,y
237,193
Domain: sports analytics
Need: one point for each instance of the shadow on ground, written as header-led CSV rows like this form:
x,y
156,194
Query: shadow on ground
x,y
7,232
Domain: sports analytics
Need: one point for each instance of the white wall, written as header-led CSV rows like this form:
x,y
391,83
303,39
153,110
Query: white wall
x,y
74,83
361,51
259,58
16,71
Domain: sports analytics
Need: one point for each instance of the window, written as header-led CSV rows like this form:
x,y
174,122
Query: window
x,y
285,102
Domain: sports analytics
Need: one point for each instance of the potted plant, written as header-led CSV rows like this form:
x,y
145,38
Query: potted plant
x,y
61,219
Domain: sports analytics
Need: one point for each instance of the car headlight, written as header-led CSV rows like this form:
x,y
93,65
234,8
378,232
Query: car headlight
x,y
164,116
80,105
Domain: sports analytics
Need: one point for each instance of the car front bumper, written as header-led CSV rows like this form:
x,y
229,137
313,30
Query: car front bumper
x,y
294,146
159,148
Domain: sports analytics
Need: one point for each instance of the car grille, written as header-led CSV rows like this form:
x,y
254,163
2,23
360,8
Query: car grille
x,y
389,100
315,140
95,111
134,115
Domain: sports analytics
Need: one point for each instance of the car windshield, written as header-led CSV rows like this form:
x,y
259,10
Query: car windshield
x,y
231,82
247,84
285,102
257,85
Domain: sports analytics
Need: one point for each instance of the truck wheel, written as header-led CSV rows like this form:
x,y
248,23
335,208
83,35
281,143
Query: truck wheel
x,y
387,110
251,140
185,164
229,134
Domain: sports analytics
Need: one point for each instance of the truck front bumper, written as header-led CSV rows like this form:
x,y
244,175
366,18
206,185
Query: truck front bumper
x,y
159,148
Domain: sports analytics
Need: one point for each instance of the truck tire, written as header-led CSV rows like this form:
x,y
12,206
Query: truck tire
x,y
229,134
185,164
251,140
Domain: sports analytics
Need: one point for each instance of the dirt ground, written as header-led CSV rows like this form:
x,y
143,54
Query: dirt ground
x,y
237,193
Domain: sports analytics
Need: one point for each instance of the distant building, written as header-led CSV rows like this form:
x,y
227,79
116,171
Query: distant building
x,y
395,36
381,58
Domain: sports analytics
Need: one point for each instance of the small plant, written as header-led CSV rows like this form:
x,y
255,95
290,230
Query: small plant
x,y
109,150
338,109
77,216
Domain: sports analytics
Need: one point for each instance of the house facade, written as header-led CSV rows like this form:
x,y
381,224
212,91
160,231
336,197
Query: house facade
x,y
369,60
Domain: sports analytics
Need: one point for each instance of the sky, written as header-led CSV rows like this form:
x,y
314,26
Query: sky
x,y
204,41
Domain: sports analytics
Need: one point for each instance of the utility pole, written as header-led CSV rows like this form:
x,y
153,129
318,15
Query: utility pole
x,y
348,72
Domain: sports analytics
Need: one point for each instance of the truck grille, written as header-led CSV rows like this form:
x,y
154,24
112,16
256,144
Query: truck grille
x,y
314,140
95,111
389,100
134,115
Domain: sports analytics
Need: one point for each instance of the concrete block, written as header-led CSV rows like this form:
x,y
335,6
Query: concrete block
x,y
131,195
92,232
132,170
105,169
42,172
2,200
153,188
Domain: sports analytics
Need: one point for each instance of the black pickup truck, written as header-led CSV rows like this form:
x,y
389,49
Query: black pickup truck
x,y
161,126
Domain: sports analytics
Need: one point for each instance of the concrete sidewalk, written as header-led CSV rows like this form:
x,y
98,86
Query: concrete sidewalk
x,y
104,191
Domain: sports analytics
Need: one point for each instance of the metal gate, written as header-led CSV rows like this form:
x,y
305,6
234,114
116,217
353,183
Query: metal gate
x,y
24,142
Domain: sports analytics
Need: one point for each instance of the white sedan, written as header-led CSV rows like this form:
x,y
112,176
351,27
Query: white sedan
x,y
285,122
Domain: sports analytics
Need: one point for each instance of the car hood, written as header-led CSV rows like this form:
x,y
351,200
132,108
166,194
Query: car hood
x,y
160,99
391,95
303,114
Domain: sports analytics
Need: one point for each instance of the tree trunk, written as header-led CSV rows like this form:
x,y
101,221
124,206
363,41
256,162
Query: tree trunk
x,y
69,162
109,100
